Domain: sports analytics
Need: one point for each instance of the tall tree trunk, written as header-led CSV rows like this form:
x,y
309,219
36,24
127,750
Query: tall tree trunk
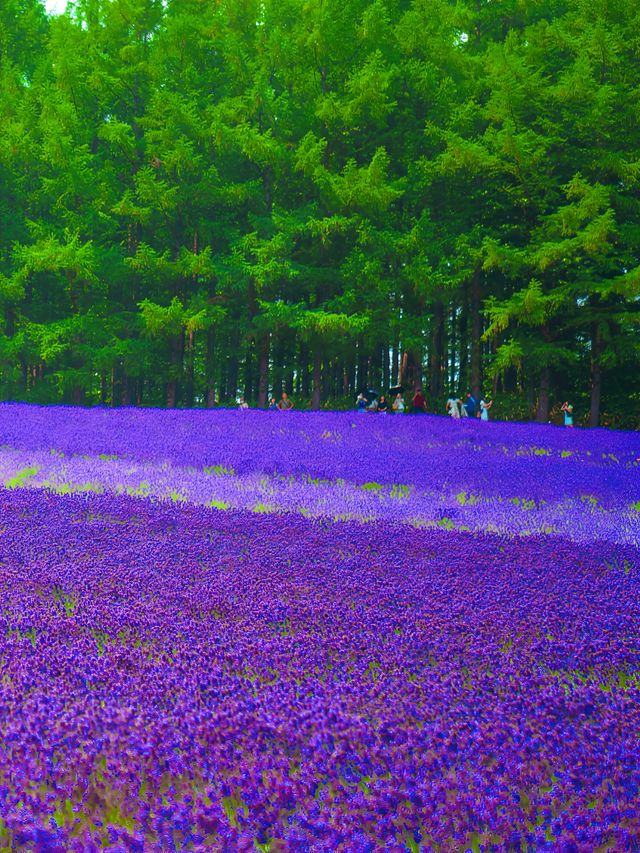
x,y
347,376
249,369
416,379
113,384
210,366
402,369
125,397
437,346
189,370
596,375
418,352
263,370
317,376
410,372
542,414
232,366
289,355
171,394
376,367
463,337
211,373
395,363
277,358
361,365
176,345
338,373
305,373
288,380
453,362
531,396
386,370
443,350
250,358
476,333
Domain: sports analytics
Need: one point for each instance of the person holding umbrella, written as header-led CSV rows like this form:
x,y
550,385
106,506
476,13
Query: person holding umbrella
x,y
372,399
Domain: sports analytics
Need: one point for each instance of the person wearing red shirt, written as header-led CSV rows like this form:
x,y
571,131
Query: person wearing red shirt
x,y
419,402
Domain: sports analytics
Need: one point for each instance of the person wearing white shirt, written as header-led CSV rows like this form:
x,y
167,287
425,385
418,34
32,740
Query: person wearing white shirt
x,y
453,407
484,409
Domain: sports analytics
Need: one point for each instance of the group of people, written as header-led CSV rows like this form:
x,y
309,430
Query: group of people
x,y
469,408
380,405
455,407
284,404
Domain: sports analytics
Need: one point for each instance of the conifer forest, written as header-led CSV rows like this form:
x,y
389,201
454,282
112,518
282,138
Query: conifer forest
x,y
206,198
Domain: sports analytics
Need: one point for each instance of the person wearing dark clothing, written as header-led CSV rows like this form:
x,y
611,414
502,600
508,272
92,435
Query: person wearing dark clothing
x,y
471,405
383,405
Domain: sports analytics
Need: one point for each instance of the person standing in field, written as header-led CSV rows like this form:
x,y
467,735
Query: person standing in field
x,y
398,404
383,405
243,404
452,407
273,406
471,405
567,408
484,409
418,402
285,404
361,403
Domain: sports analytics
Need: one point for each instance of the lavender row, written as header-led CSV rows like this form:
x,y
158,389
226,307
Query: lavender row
x,y
582,517
425,452
182,679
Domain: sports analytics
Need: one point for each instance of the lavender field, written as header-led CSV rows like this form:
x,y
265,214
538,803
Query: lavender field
x,y
326,632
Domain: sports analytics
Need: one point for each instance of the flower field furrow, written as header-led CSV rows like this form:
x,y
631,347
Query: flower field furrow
x,y
203,646
490,485
507,460
178,678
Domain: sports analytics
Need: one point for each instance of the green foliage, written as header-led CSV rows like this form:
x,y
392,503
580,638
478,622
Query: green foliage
x,y
20,480
198,200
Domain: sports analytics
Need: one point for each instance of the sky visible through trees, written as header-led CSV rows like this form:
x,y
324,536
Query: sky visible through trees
x,y
200,199
55,7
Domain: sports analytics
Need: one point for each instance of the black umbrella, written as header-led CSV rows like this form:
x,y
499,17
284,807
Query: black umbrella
x,y
397,389
371,394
